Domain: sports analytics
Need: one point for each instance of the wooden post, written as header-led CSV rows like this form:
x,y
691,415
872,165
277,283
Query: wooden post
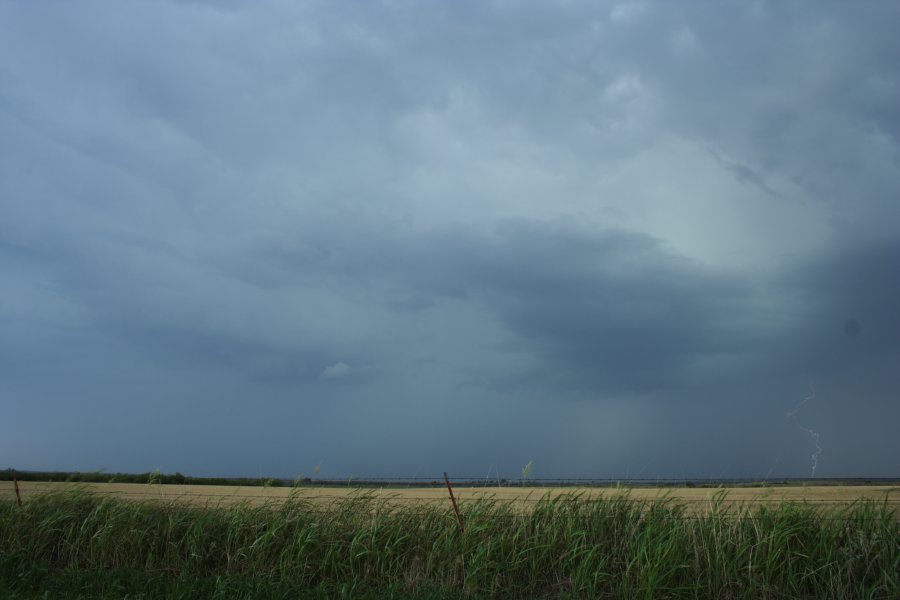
x,y
16,485
459,520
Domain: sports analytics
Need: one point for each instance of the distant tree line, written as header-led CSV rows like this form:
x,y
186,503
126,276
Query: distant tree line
x,y
156,477
150,477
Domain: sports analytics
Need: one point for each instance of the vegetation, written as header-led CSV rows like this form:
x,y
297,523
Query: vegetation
x,y
302,480
151,477
79,544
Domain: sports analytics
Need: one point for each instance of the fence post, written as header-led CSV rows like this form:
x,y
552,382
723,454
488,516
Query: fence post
x,y
16,485
459,520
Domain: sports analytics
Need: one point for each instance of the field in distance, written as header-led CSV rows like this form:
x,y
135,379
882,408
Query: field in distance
x,y
694,498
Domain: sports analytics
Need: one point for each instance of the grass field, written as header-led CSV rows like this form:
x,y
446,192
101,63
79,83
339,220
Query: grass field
x,y
693,498
115,541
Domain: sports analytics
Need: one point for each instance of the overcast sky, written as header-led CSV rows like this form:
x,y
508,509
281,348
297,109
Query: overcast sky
x,y
402,237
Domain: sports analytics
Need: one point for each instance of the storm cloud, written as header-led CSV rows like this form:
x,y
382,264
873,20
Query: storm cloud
x,y
401,238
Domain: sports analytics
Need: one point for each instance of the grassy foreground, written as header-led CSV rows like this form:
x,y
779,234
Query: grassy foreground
x,y
76,544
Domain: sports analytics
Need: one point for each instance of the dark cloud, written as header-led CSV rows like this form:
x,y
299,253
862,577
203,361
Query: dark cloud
x,y
835,294
601,236
608,312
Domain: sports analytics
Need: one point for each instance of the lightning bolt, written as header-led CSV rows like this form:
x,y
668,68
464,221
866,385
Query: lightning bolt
x,y
811,432
772,468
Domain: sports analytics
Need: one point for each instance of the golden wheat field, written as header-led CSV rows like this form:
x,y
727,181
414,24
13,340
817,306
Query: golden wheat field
x,y
698,499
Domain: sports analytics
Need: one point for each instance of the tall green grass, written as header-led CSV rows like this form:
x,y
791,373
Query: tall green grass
x,y
75,543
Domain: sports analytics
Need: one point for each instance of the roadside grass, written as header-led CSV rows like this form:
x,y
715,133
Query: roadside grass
x,y
79,544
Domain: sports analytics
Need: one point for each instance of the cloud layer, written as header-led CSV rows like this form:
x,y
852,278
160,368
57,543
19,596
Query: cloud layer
x,y
607,237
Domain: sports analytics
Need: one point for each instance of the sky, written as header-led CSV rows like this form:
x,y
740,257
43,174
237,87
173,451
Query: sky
x,y
396,238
